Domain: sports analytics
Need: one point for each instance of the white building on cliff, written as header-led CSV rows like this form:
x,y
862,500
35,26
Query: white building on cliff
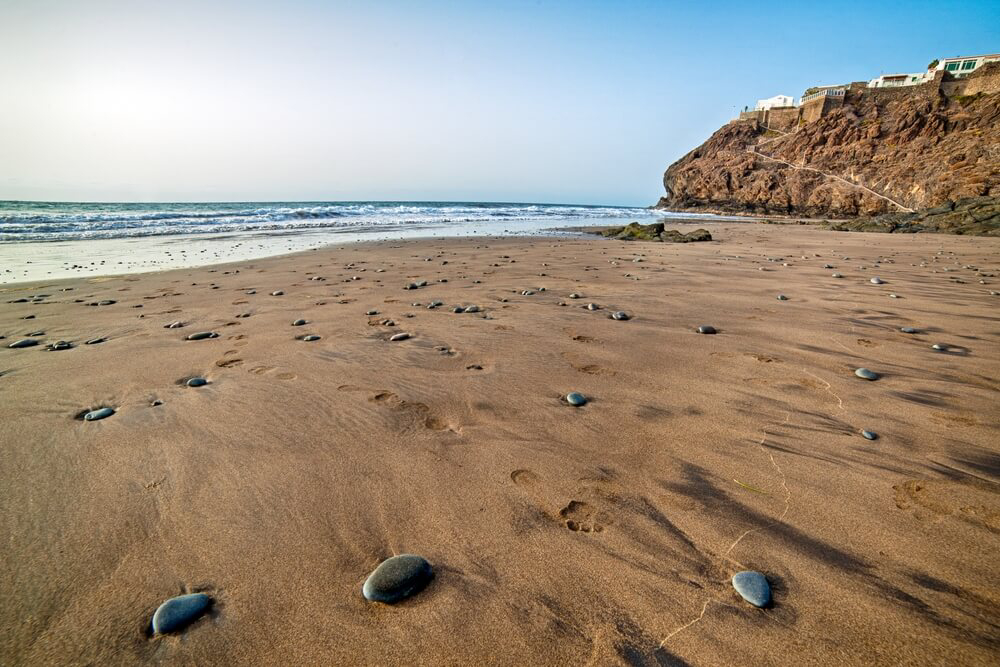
x,y
776,101
966,64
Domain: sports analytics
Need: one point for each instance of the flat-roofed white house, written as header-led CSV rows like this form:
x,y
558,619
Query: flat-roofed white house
x,y
897,80
966,64
776,101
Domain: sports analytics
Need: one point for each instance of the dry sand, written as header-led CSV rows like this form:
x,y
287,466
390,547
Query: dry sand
x,y
281,484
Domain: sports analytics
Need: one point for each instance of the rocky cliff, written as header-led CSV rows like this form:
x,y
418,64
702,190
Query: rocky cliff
x,y
875,155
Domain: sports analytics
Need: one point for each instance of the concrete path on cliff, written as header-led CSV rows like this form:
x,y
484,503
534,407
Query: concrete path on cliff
x,y
753,149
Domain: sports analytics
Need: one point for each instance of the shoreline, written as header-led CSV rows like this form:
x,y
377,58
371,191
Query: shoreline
x,y
50,260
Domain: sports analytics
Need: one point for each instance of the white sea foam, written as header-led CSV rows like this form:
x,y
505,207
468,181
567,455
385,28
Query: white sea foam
x,y
40,221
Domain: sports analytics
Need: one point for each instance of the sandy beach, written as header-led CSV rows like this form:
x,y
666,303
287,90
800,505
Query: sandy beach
x,y
595,535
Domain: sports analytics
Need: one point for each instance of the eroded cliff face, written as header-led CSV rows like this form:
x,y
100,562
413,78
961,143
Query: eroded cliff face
x,y
867,158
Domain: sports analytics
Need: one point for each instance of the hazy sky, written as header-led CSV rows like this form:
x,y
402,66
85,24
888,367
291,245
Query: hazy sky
x,y
582,102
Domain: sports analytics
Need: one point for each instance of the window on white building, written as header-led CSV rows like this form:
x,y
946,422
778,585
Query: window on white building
x,y
968,64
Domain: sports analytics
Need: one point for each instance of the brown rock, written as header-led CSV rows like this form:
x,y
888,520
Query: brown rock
x,y
918,152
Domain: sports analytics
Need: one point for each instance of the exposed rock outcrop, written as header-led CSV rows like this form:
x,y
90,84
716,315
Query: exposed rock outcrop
x,y
979,216
875,155
633,231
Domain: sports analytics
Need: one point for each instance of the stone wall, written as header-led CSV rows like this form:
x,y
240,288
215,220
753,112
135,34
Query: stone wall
x,y
816,108
928,91
985,80
782,118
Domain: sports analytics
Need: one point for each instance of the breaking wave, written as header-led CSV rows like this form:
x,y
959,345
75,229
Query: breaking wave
x,y
42,221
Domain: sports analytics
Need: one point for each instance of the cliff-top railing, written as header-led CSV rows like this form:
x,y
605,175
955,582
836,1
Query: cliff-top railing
x,y
826,92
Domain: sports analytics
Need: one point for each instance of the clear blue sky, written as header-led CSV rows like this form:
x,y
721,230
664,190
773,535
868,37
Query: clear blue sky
x,y
582,102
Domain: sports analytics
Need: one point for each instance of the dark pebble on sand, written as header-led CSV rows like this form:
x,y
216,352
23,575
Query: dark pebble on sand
x,y
100,413
372,312
877,281
196,382
941,347
866,374
870,435
753,587
397,578
400,336
576,398
706,329
95,341
299,323
177,613
25,342
202,335
472,309
909,330
59,345
782,297
310,338
620,315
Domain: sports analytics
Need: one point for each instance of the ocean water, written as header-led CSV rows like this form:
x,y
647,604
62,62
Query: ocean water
x,y
46,221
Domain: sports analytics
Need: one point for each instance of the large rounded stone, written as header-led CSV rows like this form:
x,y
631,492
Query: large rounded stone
x,y
869,435
576,398
753,587
620,315
24,342
196,382
202,335
397,578
177,613
706,329
866,374
400,336
100,413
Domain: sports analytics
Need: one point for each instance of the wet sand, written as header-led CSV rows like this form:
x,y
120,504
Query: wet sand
x,y
604,534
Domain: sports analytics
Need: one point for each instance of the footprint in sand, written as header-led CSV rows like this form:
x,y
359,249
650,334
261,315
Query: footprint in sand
x,y
229,363
583,518
417,412
933,500
763,358
524,477
264,370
